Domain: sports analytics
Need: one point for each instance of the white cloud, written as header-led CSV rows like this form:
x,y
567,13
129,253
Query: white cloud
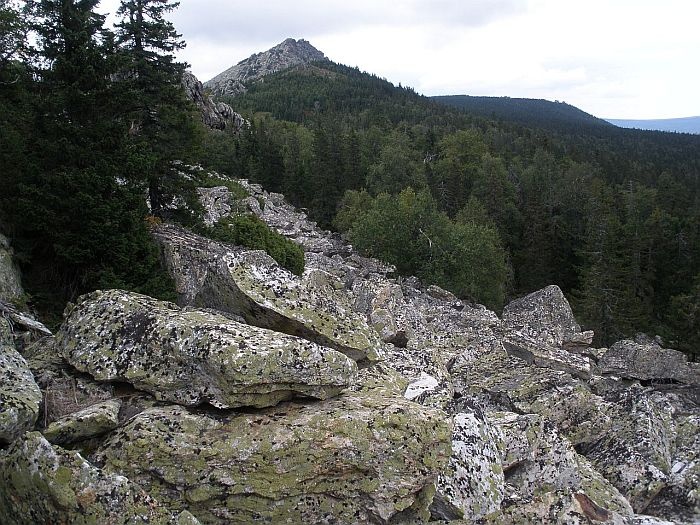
x,y
612,58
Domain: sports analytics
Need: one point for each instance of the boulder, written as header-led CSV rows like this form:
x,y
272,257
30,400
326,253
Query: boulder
x,y
646,360
358,458
90,422
544,315
193,357
45,484
20,396
251,284
217,203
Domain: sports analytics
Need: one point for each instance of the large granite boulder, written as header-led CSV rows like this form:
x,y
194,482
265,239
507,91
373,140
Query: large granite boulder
x,y
537,460
192,356
40,483
251,284
358,458
20,396
636,451
645,359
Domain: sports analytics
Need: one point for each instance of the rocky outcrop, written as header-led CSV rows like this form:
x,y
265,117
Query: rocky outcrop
x,y
289,53
192,357
354,459
428,407
251,284
45,484
216,115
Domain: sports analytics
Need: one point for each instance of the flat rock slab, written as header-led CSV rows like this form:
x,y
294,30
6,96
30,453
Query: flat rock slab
x,y
87,423
358,458
20,396
647,360
46,484
251,284
193,357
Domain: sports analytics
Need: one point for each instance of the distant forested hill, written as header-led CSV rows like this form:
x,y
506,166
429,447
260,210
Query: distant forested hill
x,y
678,125
558,116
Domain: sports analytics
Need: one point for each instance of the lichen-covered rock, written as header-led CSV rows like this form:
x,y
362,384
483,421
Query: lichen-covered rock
x,y
635,452
504,382
536,352
19,394
10,280
647,360
251,284
217,203
40,483
544,315
92,421
560,507
357,458
193,357
472,484
537,459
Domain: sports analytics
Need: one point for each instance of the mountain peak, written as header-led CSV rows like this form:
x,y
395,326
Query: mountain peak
x,y
284,55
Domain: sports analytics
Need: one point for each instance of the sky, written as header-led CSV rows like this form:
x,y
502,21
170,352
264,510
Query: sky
x,y
626,59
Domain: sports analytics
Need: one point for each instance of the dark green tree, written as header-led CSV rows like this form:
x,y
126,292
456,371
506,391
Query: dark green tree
x,y
159,116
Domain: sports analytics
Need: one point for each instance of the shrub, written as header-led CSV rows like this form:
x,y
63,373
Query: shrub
x,y
251,232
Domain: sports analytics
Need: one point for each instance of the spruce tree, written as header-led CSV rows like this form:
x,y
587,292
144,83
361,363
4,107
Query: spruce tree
x,y
159,116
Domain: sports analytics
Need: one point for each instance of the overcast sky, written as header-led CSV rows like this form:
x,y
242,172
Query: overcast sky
x,y
611,58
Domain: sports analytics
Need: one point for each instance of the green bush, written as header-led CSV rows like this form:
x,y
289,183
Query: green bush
x,y
211,181
251,232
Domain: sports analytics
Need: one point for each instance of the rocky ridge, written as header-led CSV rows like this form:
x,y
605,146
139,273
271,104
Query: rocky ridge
x,y
287,54
216,115
346,395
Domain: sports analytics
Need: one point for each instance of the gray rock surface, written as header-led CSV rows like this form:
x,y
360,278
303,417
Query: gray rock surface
x,y
357,458
193,357
90,422
283,56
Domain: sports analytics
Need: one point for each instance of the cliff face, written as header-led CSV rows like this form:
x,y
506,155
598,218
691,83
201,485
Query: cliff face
x,y
289,53
345,395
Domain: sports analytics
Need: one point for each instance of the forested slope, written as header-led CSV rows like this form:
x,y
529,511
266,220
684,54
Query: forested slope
x,y
610,215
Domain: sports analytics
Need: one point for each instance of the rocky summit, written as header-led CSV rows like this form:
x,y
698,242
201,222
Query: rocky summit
x,y
289,53
346,395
